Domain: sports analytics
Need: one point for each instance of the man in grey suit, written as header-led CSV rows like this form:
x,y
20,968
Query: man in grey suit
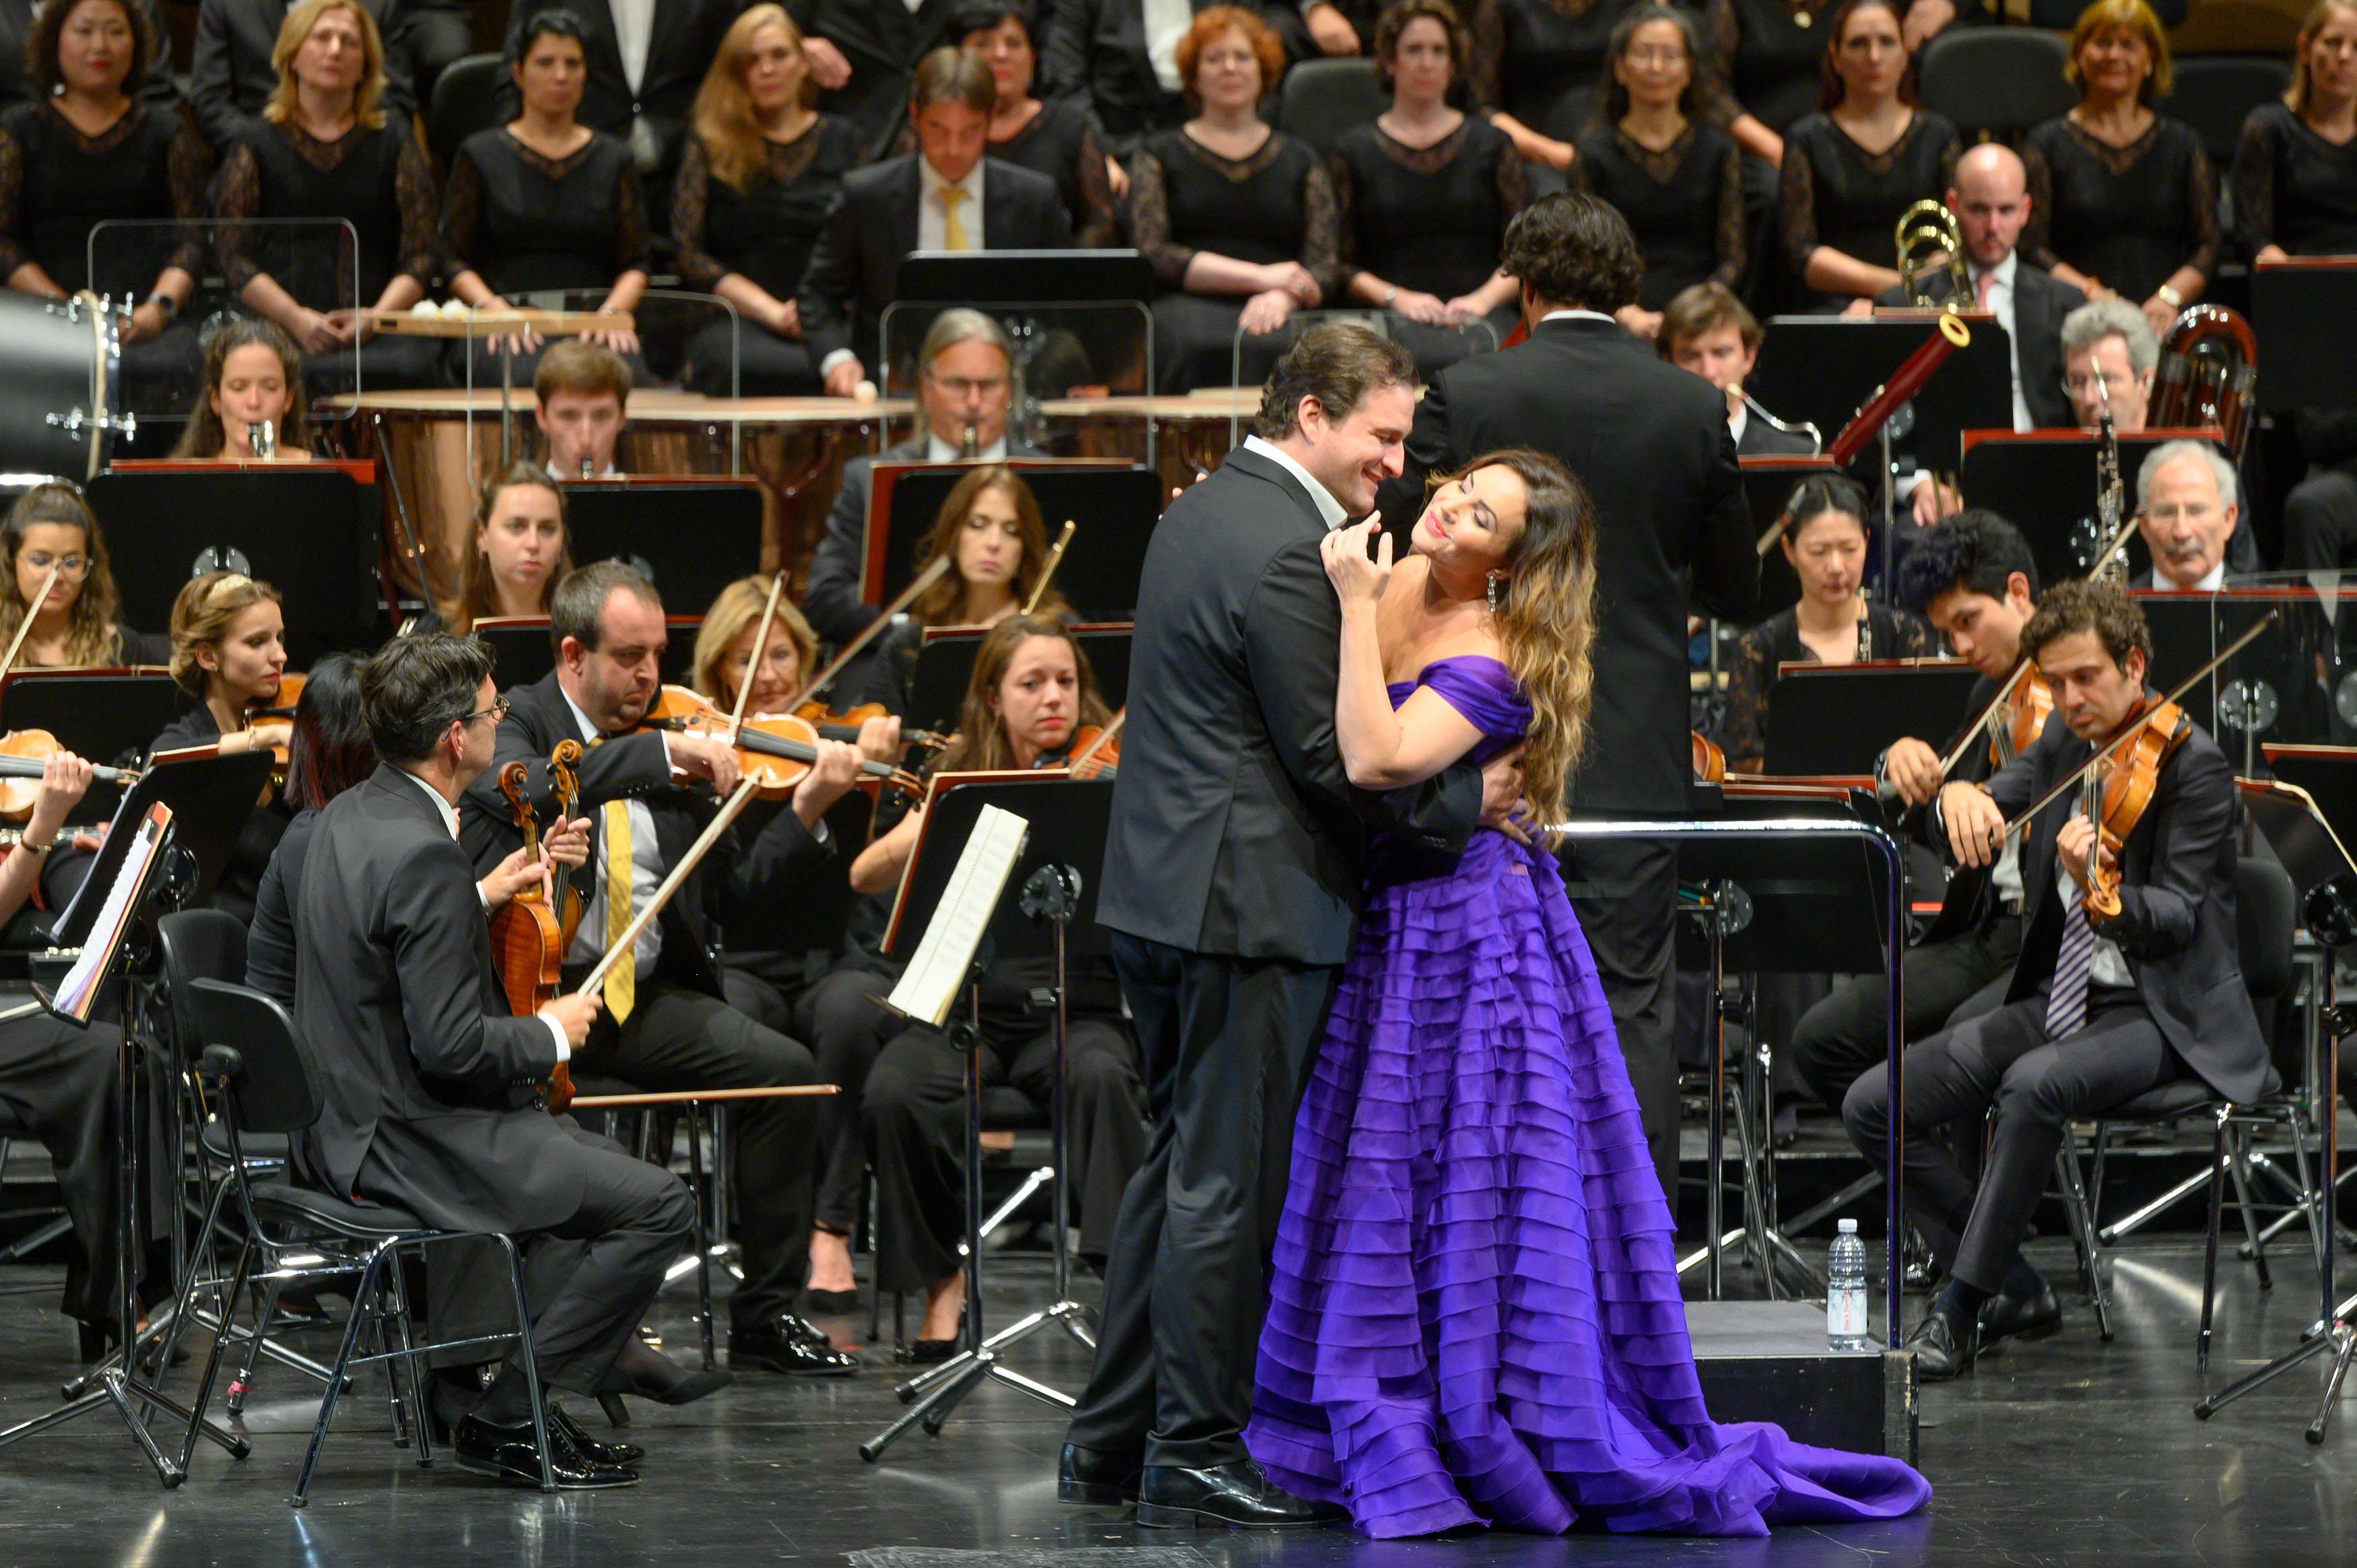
x,y
1232,885
425,1076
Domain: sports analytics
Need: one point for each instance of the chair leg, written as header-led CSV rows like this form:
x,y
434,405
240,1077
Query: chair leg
x,y
406,1362
266,1307
2210,1246
2082,1224
380,1342
363,1292
2238,1155
530,1364
2311,1201
213,1357
188,1281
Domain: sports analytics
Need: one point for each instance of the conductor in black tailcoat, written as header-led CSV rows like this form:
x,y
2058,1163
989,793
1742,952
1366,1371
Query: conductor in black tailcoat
x,y
1649,443
1231,885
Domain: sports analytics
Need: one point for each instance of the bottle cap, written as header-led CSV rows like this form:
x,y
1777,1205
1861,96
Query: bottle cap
x,y
1848,1227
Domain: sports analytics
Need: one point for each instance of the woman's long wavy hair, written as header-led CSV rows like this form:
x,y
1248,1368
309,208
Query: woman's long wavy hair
x,y
479,593
1547,621
723,116
204,436
944,598
982,744
91,635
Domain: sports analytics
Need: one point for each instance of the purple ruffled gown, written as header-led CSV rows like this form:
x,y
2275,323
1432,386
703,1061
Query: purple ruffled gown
x,y
1474,1314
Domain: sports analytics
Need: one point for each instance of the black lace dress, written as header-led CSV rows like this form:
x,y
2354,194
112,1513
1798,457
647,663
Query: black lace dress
x,y
764,234
1882,633
1837,194
57,186
1276,205
2292,188
1684,203
1429,219
1761,58
2127,217
1541,61
281,208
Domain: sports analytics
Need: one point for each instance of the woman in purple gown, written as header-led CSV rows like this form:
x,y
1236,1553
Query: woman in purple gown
x,y
1474,1315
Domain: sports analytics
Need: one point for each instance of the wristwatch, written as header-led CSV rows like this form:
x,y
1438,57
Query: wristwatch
x,y
1390,295
2169,297
166,303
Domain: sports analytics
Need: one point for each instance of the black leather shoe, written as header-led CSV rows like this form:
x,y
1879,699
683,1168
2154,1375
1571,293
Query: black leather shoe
x,y
786,1344
620,1456
1096,1480
1942,1349
2021,1317
927,1352
834,1303
1238,1495
506,1453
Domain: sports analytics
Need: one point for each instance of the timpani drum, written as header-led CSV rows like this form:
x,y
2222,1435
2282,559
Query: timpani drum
x,y
60,404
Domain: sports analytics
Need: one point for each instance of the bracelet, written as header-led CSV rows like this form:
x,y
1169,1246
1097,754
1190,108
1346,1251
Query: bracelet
x,y
36,850
2169,297
1390,295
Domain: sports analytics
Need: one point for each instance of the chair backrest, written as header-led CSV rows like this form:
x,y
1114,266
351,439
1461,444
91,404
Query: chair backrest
x,y
1997,80
2215,93
277,1087
198,944
1323,99
2267,912
466,99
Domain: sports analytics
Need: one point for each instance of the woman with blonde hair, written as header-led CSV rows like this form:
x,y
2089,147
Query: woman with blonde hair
x,y
521,549
1467,1148
724,648
326,150
2294,178
229,649
77,624
759,174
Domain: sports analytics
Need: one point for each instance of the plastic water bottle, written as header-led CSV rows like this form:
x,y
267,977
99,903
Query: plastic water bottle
x,y
1846,1291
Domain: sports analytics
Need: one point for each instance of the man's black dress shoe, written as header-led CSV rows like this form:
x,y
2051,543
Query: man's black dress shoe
x,y
1097,1479
1942,1349
505,1452
622,1456
1238,1495
786,1344
2021,1317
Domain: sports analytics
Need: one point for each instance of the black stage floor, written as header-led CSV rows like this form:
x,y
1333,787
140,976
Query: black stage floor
x,y
2064,1452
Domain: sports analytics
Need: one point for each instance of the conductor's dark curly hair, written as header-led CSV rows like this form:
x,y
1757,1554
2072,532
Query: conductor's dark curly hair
x,y
1575,250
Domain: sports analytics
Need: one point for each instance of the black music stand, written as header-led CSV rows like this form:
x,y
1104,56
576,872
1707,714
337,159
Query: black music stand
x,y
1051,914
2304,317
1115,510
310,529
2044,483
1837,719
945,668
1824,367
2329,775
692,538
2268,688
110,716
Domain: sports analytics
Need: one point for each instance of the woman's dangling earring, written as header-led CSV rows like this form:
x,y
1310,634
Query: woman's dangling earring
x,y
1496,595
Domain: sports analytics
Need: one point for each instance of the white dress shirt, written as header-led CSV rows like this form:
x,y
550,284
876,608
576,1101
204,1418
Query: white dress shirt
x,y
932,218
634,34
1738,422
2000,305
1167,22
1330,509
450,814
2212,581
646,875
939,451
613,471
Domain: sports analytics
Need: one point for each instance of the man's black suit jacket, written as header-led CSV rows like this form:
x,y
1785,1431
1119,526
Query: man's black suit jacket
x,y
1234,829
230,77
2176,925
1966,902
856,263
1096,49
2040,301
687,35
883,40
1649,443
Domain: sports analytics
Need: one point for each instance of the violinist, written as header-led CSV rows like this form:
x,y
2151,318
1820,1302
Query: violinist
x,y
521,549
252,378
77,625
666,1025
1975,579
2128,977
1029,706
229,651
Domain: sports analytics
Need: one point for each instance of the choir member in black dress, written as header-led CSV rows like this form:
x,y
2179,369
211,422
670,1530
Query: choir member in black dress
x,y
1866,156
2296,166
1832,624
2123,200
1423,194
761,171
228,652
1676,177
252,376
88,151
17,86
327,151
78,625
1707,330
1762,65
545,209
1237,218
1057,137
1536,66
235,63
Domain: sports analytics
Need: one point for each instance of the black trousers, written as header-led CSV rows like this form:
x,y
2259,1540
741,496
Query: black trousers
x,y
766,365
61,1082
1625,892
385,362
844,1019
914,1110
2003,1063
1848,1032
677,1038
1227,1044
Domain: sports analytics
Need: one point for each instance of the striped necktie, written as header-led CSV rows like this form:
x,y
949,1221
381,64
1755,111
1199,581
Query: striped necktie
x,y
2066,1002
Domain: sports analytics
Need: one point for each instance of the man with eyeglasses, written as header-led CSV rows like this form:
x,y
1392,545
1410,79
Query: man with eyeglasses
x,y
964,384
2109,342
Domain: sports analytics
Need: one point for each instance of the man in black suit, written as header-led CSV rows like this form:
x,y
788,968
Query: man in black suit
x,y
1650,444
420,1062
864,57
1231,885
945,195
646,62
666,1026
1122,55
2103,1006
965,382
1707,330
230,77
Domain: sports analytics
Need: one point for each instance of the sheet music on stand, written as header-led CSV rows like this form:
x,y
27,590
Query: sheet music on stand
x,y
929,986
77,993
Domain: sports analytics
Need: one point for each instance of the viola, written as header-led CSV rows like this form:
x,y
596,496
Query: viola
x,y
1709,762
2116,792
773,750
2029,705
527,939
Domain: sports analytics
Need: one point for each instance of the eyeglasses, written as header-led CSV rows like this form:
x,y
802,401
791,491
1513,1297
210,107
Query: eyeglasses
x,y
961,386
2080,386
67,565
497,711
1655,56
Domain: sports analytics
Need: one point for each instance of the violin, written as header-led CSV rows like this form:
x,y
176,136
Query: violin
x,y
1709,762
2115,793
774,751
23,755
279,704
843,724
1096,750
530,939
2027,708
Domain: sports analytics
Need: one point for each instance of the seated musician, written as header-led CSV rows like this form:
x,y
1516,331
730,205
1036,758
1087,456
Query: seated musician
x,y
77,625
424,1070
1030,705
947,193
666,1026
253,379
1974,578
228,652
1707,330
582,391
2109,351
2185,496
965,382
2106,1001
520,552
1834,623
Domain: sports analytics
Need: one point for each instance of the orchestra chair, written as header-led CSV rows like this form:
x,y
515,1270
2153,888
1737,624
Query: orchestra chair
x,y
2215,93
465,101
261,1074
1323,99
2266,914
1995,81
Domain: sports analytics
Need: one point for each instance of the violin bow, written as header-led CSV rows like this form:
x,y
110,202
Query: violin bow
x,y
870,632
1997,705
1047,572
8,660
760,646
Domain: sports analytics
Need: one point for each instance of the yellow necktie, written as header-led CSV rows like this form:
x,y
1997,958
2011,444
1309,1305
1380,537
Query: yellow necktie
x,y
622,979
953,218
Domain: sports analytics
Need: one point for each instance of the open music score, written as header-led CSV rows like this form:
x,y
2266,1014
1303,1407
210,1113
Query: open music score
x,y
930,987
76,994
